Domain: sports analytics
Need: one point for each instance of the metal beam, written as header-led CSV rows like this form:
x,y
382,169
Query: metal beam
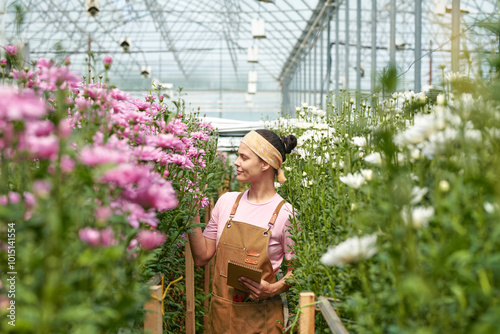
x,y
418,45
307,35
161,25
374,46
455,35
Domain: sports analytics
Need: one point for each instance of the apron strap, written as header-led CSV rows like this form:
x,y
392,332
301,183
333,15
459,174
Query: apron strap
x,y
276,212
235,206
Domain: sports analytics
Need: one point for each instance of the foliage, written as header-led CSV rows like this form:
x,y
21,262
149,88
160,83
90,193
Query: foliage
x,y
429,193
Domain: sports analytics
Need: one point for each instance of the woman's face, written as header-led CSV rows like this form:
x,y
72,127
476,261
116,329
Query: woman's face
x,y
249,167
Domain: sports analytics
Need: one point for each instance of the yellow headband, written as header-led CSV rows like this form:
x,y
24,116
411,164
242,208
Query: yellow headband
x,y
266,151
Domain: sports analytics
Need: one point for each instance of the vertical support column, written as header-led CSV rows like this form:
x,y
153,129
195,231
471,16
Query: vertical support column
x,y
322,81
392,43
306,306
346,59
455,35
190,314
2,52
337,52
374,46
153,319
418,45
315,79
304,91
358,47
311,102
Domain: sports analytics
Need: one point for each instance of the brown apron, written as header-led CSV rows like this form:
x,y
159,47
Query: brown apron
x,y
247,244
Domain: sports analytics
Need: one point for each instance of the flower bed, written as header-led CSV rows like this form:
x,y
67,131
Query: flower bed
x,y
399,206
97,188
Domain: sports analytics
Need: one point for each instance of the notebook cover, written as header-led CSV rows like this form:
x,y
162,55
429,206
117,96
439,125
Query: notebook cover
x,y
235,270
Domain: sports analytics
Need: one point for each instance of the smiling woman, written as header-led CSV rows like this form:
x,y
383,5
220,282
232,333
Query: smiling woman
x,y
251,228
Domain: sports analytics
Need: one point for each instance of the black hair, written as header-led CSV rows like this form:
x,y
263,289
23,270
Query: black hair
x,y
284,145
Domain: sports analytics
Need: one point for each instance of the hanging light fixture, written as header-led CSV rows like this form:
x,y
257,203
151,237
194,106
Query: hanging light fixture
x,y
145,71
252,76
92,7
125,44
252,54
252,87
258,30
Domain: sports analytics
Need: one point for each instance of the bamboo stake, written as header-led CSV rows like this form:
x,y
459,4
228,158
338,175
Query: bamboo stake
x,y
190,304
306,305
153,320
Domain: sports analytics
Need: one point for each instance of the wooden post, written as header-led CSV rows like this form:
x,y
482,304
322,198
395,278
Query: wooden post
x,y
153,320
190,314
208,268
306,305
331,316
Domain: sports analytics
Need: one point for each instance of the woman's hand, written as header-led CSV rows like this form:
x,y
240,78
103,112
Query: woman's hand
x,y
258,291
264,289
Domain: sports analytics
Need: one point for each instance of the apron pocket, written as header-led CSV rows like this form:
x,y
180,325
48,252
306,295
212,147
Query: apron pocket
x,y
253,318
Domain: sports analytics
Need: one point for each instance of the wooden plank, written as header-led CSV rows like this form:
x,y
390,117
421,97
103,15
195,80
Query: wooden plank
x,y
331,316
306,319
153,321
190,304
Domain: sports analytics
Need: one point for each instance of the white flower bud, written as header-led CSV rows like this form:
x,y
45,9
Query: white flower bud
x,y
444,186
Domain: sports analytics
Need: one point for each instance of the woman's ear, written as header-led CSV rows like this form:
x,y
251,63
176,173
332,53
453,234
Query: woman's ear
x,y
265,166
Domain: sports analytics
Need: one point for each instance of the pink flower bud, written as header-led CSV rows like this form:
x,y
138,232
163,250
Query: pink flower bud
x,y
107,60
151,239
41,188
90,236
3,63
14,197
67,62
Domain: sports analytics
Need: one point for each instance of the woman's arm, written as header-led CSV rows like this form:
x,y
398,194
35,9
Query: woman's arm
x,y
203,248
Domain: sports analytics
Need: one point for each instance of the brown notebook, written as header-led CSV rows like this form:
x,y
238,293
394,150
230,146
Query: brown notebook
x,y
236,270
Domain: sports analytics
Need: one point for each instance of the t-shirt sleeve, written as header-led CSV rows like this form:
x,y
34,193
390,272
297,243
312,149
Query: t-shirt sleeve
x,y
211,229
287,241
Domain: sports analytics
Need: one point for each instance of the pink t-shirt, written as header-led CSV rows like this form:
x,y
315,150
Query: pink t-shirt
x,y
258,215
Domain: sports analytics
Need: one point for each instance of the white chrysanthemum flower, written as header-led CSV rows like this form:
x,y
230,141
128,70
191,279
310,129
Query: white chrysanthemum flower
x,y
419,216
359,141
417,194
304,105
287,168
351,250
353,180
374,158
321,113
473,135
323,159
367,173
277,185
321,126
454,76
490,208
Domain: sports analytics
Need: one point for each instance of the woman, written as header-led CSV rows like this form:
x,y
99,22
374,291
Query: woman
x,y
251,228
